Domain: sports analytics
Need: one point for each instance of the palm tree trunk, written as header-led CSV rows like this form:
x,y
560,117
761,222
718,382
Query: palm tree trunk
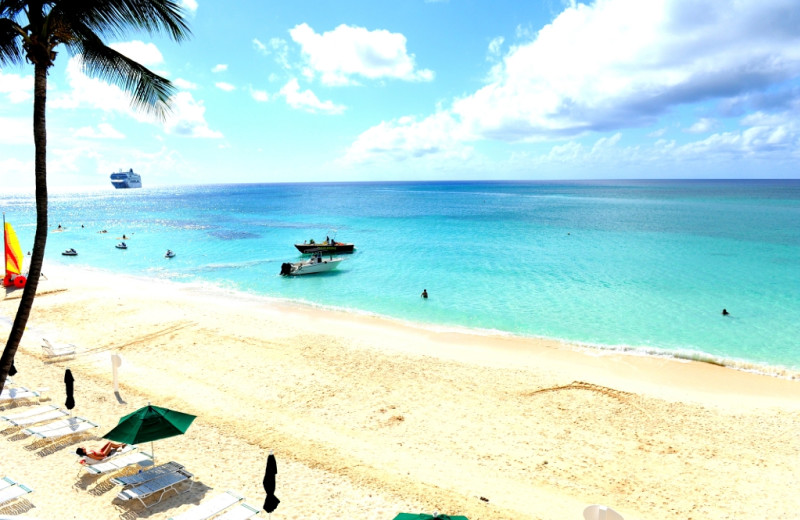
x,y
40,239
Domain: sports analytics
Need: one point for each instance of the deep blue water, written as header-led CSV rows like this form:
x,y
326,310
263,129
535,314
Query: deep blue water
x,y
645,265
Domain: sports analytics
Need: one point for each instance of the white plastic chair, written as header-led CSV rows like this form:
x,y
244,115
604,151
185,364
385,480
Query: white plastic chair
x,y
598,512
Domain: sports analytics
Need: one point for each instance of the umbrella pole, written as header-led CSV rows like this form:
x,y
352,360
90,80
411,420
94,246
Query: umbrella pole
x,y
153,453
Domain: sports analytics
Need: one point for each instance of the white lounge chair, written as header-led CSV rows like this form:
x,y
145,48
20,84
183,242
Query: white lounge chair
x,y
28,412
118,462
47,415
17,394
210,508
598,512
157,486
57,429
57,351
240,512
144,476
12,491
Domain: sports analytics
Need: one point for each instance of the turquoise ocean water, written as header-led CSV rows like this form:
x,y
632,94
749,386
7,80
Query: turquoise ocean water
x,y
633,265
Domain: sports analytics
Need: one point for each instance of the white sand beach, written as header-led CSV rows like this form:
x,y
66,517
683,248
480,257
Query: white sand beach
x,y
369,417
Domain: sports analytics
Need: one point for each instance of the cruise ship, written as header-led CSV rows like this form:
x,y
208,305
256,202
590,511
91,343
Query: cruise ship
x,y
126,179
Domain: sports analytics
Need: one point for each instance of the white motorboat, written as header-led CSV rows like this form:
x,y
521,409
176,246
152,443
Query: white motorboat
x,y
169,254
70,252
315,264
122,245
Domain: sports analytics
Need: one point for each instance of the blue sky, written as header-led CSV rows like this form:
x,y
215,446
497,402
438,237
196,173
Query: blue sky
x,y
454,89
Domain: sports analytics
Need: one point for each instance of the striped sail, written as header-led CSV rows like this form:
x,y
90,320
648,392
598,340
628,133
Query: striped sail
x,y
13,251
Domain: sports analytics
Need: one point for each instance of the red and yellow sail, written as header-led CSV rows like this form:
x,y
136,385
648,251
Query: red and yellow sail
x,y
13,251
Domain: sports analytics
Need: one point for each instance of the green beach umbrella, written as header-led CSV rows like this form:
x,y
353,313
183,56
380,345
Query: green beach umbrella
x,y
423,516
148,424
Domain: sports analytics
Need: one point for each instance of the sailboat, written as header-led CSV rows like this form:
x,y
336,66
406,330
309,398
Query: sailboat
x,y
14,257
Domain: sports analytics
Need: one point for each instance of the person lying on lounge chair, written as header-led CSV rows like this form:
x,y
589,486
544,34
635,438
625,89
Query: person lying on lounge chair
x,y
100,454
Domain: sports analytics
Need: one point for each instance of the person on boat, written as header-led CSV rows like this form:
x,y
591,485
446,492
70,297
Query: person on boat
x,y
424,293
102,453
327,239
725,312
124,237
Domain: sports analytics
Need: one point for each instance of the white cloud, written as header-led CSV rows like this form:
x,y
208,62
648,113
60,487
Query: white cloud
x,y
92,93
221,67
189,5
103,131
342,55
622,63
15,87
17,173
495,46
701,126
260,47
619,64
278,48
259,95
227,87
146,54
406,138
16,131
188,118
184,84
307,100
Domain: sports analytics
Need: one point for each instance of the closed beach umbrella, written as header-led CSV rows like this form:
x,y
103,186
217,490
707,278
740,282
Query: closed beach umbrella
x,y
69,380
148,424
271,502
423,516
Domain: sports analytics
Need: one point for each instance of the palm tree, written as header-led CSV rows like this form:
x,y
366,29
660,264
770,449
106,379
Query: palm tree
x,y
31,30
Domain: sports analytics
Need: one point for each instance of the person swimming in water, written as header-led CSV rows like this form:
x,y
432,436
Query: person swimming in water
x,y
725,312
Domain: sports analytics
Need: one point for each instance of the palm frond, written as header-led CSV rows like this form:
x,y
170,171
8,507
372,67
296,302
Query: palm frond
x,y
11,51
149,91
119,17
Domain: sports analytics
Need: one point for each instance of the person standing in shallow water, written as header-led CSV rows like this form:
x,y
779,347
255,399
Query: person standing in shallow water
x,y
725,312
424,293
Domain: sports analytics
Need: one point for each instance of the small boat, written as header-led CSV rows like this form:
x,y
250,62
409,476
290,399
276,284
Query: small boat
x,y
122,245
315,264
328,246
70,252
14,258
169,254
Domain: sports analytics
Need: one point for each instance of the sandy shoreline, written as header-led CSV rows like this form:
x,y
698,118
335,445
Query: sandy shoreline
x,y
368,417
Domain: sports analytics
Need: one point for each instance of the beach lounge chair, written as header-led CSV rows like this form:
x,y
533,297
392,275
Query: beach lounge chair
x,y
11,491
57,351
17,394
28,412
158,486
46,413
144,476
117,462
240,512
210,508
58,429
